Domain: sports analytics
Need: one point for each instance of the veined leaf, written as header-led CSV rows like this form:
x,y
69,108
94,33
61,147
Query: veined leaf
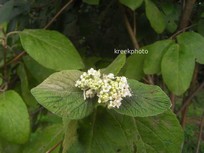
x,y
110,132
14,118
60,96
146,100
51,49
177,68
161,133
152,63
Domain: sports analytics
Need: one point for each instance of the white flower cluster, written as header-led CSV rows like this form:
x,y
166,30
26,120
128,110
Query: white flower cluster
x,y
110,89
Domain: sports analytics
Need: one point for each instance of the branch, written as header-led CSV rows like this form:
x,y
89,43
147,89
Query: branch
x,y
58,13
17,57
190,97
131,32
182,30
200,134
54,147
186,15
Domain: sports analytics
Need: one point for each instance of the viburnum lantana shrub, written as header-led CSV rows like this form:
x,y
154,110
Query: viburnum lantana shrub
x,y
101,111
81,98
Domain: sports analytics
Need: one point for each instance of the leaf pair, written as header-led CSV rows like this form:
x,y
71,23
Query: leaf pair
x,y
154,15
174,61
59,95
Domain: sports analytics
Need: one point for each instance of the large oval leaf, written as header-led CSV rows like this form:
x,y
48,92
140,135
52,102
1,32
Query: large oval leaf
x,y
177,68
195,42
110,132
146,100
14,118
152,63
103,133
51,49
155,17
60,96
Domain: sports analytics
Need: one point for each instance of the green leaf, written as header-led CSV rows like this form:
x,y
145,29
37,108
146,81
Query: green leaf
x,y
6,11
152,63
51,49
60,96
177,68
154,16
70,136
110,132
38,72
116,65
44,139
146,100
92,2
132,4
134,67
194,42
25,90
14,118
161,133
103,133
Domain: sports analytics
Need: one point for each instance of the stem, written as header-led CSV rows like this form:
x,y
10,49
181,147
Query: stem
x,y
5,46
190,97
186,14
134,23
194,78
150,79
200,134
54,147
12,33
5,62
190,91
182,30
131,32
58,13
16,58
183,116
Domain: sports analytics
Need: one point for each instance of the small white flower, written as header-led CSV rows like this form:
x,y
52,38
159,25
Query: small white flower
x,y
109,89
110,76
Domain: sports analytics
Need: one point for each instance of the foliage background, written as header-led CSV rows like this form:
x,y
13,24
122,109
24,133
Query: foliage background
x,y
96,29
